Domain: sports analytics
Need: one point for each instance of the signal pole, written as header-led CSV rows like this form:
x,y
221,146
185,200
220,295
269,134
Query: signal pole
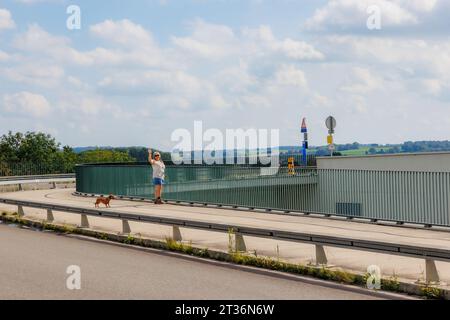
x,y
331,125
304,130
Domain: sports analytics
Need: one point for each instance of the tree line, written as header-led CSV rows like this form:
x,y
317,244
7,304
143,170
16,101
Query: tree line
x,y
39,153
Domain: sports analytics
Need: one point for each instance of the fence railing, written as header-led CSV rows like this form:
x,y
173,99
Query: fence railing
x,y
29,169
282,159
11,169
403,197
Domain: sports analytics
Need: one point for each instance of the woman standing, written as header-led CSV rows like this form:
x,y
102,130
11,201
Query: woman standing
x,y
159,169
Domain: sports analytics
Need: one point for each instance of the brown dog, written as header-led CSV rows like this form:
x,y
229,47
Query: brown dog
x,y
105,201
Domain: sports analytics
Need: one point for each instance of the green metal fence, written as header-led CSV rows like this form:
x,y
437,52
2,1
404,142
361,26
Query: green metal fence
x,y
414,197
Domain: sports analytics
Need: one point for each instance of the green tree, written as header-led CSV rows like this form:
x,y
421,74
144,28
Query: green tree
x,y
34,153
29,147
104,156
9,146
66,160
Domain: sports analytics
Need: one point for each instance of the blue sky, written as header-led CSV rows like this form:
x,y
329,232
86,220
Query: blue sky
x,y
137,70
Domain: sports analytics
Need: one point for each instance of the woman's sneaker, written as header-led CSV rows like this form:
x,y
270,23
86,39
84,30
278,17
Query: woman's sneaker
x,y
158,201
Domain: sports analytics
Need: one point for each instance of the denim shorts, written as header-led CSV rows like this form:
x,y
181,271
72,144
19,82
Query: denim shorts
x,y
158,181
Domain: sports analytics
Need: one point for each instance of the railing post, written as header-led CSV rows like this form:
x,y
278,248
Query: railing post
x,y
20,211
126,227
84,221
54,185
240,243
431,273
50,216
20,187
321,256
176,234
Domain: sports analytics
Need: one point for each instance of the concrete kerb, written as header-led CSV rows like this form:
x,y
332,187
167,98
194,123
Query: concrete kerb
x,y
418,289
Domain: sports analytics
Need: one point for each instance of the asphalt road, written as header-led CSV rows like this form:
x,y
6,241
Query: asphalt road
x,y
33,265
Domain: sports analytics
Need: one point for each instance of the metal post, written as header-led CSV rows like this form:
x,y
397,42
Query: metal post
x,y
54,185
50,216
240,243
321,257
20,187
431,273
126,227
20,211
176,234
84,221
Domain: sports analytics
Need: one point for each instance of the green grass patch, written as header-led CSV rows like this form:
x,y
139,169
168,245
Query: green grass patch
x,y
433,293
173,245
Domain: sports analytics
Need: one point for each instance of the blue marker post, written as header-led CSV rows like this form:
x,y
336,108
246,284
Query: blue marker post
x,y
304,130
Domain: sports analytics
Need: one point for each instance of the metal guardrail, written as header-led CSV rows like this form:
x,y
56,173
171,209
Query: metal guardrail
x,y
39,177
27,180
428,253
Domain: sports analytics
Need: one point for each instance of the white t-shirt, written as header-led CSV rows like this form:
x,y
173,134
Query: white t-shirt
x,y
159,169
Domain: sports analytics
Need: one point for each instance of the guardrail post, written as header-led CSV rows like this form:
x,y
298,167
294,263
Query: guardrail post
x,y
126,227
431,273
50,216
321,256
240,243
54,185
20,211
176,234
84,221
20,187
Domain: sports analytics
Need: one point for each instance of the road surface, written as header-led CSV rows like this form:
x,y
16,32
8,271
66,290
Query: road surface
x,y
33,266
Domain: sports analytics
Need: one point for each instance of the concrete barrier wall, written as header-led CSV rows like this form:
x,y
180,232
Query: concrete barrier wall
x,y
419,162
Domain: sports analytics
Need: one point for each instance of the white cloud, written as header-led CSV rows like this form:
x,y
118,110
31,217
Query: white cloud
x,y
164,87
419,5
230,76
208,40
3,56
365,81
289,75
221,42
433,86
345,14
35,74
31,2
150,82
26,104
262,41
128,43
236,79
123,32
135,46
39,42
6,21
417,57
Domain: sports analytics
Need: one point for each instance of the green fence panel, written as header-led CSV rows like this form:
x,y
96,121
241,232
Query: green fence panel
x,y
411,197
